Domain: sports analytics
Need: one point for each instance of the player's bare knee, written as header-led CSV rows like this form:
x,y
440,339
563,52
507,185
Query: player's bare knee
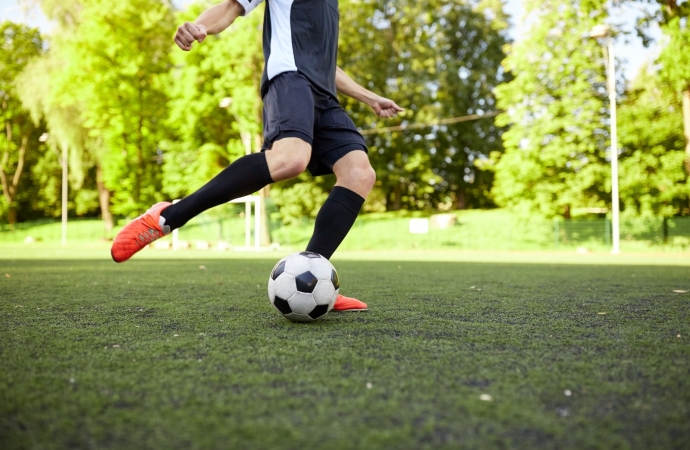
x,y
367,177
359,177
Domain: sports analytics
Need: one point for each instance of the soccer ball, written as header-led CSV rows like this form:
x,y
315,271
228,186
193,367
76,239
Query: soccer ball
x,y
303,286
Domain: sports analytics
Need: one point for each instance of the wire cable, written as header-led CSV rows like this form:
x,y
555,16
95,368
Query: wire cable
x,y
431,124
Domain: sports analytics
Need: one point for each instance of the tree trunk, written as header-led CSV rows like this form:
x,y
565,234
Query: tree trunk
x,y
460,199
104,200
397,198
9,187
12,216
686,128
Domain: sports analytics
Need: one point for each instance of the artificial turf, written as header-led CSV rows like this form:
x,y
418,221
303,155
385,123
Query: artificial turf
x,y
189,354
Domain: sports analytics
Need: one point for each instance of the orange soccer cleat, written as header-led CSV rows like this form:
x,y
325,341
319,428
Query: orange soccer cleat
x,y
139,233
343,303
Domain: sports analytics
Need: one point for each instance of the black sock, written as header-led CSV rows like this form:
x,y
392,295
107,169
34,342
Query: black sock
x,y
334,220
244,176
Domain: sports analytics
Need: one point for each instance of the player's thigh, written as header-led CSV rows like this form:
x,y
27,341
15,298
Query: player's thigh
x,y
287,158
288,125
335,137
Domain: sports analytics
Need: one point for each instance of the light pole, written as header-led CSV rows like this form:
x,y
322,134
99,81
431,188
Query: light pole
x,y
604,32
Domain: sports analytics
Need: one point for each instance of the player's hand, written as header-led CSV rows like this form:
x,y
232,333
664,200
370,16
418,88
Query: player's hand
x,y
189,32
386,108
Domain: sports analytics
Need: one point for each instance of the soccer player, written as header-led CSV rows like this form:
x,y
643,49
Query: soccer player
x,y
304,127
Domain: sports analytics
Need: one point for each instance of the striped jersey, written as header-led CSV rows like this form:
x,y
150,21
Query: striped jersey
x,y
300,36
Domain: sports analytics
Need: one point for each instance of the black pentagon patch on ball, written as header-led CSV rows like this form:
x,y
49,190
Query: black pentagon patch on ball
x,y
335,280
282,305
306,282
277,270
310,255
319,311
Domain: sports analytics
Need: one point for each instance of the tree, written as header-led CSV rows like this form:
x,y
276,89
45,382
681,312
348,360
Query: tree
x,y
666,96
436,58
440,59
215,105
20,137
653,182
66,129
555,149
114,61
675,70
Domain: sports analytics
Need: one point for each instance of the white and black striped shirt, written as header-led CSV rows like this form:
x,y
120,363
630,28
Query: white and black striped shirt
x,y
300,36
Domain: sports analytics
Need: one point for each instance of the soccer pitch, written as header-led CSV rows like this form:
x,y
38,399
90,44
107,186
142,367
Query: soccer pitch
x,y
187,353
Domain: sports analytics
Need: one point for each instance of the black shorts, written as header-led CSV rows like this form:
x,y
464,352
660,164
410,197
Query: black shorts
x,y
293,109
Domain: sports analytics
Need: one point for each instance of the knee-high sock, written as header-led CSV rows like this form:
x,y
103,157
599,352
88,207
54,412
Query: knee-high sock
x,y
334,220
245,175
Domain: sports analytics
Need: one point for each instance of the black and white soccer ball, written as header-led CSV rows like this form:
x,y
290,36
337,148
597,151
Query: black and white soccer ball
x,y
303,286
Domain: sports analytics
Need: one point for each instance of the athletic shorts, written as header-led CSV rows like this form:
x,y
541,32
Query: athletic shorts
x,y
292,108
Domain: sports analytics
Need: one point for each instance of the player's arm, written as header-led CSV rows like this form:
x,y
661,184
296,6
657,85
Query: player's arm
x,y
381,106
212,21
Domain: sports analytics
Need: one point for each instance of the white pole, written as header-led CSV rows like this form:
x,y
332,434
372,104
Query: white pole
x,y
175,233
257,223
247,223
615,220
64,194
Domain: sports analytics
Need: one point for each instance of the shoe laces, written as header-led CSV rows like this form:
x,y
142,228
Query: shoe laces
x,y
148,236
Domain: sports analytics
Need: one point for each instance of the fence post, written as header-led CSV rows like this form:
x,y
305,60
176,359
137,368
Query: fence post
x,y
607,231
556,232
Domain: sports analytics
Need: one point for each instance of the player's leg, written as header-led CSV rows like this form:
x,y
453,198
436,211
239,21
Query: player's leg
x,y
339,146
287,159
355,178
288,125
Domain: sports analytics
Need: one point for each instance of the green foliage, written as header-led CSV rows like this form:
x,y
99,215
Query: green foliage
x,y
555,149
115,60
214,103
674,58
19,140
39,94
438,59
145,121
300,198
653,182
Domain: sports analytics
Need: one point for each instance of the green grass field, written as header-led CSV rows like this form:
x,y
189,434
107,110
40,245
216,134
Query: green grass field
x,y
187,353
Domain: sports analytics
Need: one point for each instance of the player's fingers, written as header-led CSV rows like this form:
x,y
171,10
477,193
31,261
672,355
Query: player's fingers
x,y
182,45
391,105
185,35
192,29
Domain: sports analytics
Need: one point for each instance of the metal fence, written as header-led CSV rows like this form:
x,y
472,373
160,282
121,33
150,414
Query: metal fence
x,y
504,233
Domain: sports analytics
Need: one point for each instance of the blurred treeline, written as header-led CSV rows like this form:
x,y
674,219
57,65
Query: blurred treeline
x,y
143,121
